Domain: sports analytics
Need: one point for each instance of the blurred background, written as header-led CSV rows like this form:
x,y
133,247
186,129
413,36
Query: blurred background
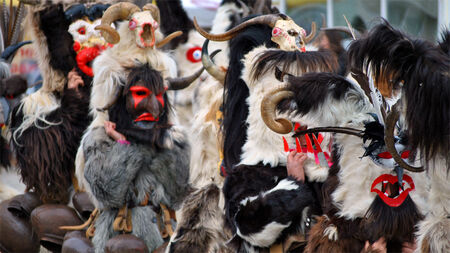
x,y
418,18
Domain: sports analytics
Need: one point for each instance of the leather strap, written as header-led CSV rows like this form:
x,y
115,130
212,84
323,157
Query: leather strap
x,y
123,220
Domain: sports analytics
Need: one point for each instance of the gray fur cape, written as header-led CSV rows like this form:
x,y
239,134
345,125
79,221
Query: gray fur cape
x,y
120,173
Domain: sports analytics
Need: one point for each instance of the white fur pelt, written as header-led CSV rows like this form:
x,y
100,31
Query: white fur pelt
x,y
264,145
208,96
434,230
120,174
110,73
204,136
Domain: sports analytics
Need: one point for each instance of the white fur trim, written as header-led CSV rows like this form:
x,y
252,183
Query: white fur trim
x,y
331,232
267,236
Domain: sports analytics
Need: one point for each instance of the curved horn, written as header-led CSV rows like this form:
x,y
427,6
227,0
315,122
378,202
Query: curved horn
x,y
269,20
183,82
268,106
115,12
391,119
209,65
324,21
311,35
168,38
245,9
341,130
154,10
343,29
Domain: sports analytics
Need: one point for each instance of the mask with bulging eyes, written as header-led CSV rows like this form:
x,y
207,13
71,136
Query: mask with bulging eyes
x,y
144,105
289,36
88,42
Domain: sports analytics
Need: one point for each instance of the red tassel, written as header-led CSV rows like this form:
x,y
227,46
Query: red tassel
x,y
298,145
286,145
309,146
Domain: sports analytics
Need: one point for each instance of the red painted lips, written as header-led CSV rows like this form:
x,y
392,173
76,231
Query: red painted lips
x,y
146,117
387,179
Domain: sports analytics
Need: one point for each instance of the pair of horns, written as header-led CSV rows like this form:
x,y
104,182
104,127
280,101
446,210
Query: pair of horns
x,y
176,83
123,11
269,20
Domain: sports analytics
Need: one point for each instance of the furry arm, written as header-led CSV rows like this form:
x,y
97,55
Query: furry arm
x,y
261,208
55,27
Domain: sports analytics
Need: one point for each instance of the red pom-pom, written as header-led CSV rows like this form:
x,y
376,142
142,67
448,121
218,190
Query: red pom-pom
x,y
76,46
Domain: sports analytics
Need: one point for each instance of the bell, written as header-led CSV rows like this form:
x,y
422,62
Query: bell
x,y
126,243
46,220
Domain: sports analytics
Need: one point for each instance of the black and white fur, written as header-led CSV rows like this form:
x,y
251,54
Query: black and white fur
x,y
330,100
419,71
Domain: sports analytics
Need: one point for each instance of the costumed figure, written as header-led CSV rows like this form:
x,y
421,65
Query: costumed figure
x,y
133,159
417,71
257,187
47,126
366,197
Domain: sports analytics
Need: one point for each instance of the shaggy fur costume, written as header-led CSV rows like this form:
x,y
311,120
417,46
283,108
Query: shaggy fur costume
x,y
201,224
45,153
267,209
118,174
354,214
47,126
263,205
419,70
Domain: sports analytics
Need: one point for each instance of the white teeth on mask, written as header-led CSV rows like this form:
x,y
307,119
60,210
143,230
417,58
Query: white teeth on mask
x,y
400,191
385,182
385,194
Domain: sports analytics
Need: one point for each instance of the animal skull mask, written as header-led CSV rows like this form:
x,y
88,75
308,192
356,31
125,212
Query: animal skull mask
x,y
288,35
144,26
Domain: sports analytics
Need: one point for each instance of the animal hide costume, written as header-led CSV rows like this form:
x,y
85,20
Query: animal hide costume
x,y
258,193
151,167
47,125
417,71
364,197
154,165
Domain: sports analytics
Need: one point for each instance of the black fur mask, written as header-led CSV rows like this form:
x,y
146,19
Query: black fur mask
x,y
124,117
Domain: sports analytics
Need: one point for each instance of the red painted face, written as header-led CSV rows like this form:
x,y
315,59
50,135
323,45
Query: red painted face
x,y
143,104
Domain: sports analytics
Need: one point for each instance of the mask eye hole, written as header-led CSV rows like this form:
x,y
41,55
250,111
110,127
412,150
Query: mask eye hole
x,y
82,30
141,93
292,32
